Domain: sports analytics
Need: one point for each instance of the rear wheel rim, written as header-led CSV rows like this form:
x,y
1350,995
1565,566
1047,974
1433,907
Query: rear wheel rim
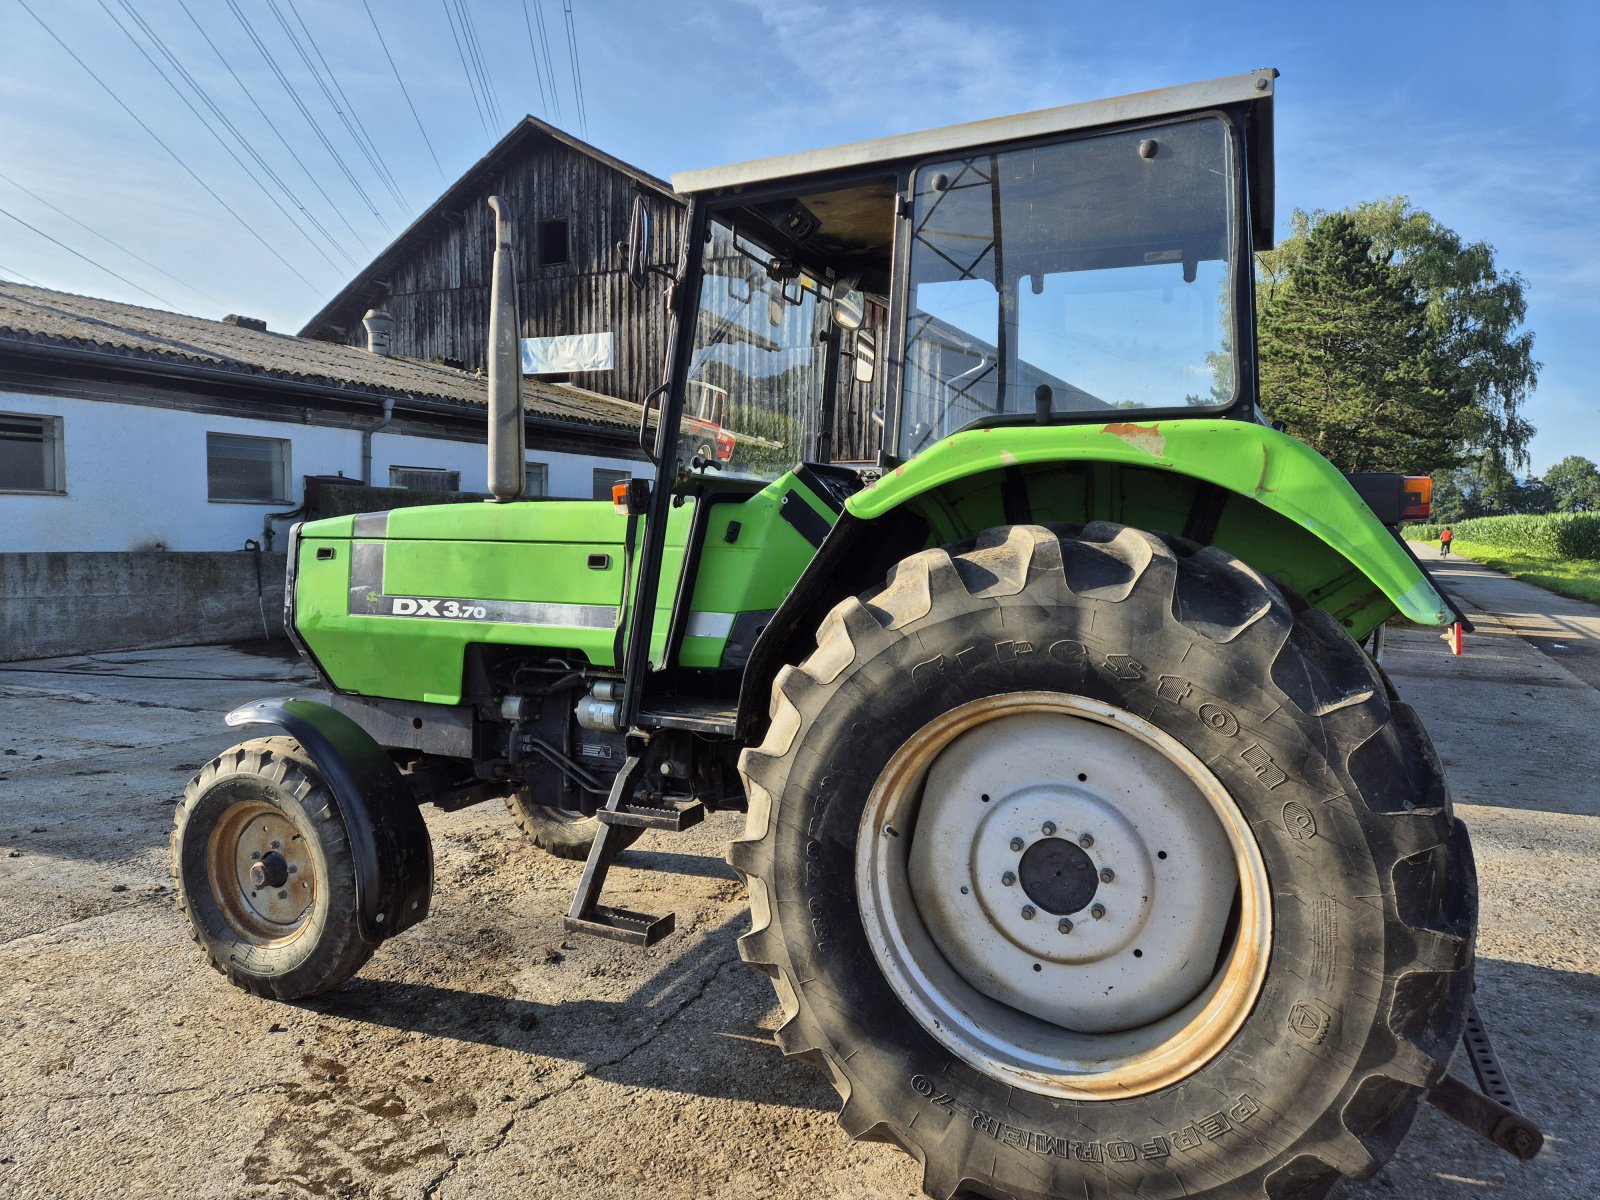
x,y
964,894
262,873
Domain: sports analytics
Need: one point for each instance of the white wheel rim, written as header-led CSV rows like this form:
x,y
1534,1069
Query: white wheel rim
x,y
970,868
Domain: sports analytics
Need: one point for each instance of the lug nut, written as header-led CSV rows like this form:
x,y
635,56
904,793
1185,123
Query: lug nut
x,y
1107,874
1008,878
1064,925
1016,843
1086,840
1098,911
1048,829
1027,912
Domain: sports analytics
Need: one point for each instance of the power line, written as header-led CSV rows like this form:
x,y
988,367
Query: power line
x,y
338,210
469,29
306,113
533,53
362,138
471,86
402,84
244,142
4,270
250,229
109,241
90,261
549,65
577,74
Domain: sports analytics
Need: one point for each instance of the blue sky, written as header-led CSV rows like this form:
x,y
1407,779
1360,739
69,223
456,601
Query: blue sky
x,y
1482,113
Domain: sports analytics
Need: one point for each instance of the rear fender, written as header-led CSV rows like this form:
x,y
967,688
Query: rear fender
x,y
388,838
1257,493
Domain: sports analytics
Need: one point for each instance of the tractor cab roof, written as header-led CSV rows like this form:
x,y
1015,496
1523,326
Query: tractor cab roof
x,y
1250,93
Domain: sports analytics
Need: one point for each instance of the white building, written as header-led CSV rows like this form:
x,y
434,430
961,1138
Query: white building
x,y
127,429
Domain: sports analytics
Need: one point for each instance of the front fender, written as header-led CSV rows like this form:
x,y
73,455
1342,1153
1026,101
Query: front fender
x,y
388,838
1271,470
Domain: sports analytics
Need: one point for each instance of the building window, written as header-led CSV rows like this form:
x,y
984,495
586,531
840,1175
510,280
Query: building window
x,y
538,485
30,454
425,479
553,248
254,469
604,479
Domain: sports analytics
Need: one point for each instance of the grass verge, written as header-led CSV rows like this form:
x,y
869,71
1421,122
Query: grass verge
x,y
1578,577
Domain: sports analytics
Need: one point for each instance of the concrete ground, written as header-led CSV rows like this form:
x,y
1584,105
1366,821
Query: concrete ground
x,y
486,1054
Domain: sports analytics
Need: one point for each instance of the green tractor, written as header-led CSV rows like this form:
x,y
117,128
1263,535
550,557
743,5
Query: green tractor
x,y
1088,849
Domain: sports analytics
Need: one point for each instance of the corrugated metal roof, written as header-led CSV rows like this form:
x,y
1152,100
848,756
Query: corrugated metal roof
x,y
38,316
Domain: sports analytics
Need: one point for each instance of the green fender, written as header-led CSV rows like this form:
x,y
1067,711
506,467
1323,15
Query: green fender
x,y
1270,469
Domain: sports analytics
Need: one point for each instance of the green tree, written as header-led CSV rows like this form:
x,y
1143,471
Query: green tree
x,y
1475,312
1574,484
1347,359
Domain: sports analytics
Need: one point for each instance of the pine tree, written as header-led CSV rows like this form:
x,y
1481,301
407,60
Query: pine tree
x,y
1347,360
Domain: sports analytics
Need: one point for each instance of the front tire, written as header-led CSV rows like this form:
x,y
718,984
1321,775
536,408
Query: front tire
x,y
1335,963
264,874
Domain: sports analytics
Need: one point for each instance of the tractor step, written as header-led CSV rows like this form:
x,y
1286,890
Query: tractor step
x,y
676,815
621,925
625,809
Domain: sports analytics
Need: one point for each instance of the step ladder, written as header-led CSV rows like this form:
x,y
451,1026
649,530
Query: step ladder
x,y
628,806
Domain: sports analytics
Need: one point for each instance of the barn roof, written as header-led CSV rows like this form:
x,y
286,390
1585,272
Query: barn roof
x,y
346,308
36,319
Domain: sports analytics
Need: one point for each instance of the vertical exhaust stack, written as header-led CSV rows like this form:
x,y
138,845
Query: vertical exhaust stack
x,y
507,438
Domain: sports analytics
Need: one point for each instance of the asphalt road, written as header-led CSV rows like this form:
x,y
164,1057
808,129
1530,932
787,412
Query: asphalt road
x,y
484,1054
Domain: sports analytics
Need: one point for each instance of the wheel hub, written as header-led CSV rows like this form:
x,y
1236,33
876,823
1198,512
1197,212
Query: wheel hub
x,y
1058,876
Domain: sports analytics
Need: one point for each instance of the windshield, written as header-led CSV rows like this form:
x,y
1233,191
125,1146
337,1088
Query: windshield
x,y
756,370
1081,277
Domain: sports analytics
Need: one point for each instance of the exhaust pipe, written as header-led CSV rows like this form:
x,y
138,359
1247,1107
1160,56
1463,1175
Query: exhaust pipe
x,y
508,455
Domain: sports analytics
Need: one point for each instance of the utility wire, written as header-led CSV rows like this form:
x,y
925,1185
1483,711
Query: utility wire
x,y
577,73
533,53
360,132
90,261
471,86
25,279
306,113
469,29
549,65
222,117
110,242
403,90
338,210
250,229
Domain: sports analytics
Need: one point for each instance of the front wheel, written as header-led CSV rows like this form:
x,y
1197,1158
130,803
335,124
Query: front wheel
x,y
264,873
1086,867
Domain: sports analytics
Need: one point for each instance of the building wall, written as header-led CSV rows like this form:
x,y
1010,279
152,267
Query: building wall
x,y
57,604
440,291
135,475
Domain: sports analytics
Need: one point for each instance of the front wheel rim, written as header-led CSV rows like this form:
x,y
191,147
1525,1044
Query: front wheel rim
x,y
955,963
262,873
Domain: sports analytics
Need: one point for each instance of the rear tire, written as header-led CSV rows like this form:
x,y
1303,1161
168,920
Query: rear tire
x,y
263,871
1322,1055
561,833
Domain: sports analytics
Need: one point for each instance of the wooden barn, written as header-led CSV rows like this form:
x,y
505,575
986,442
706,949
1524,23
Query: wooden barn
x,y
570,205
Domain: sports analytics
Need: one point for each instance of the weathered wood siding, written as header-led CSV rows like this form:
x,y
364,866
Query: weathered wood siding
x,y
440,292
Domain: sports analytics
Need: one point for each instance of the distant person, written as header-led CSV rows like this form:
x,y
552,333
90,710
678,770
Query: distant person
x,y
1445,538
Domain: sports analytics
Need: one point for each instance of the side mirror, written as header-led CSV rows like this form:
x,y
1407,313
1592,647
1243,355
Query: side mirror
x,y
849,309
866,356
638,246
